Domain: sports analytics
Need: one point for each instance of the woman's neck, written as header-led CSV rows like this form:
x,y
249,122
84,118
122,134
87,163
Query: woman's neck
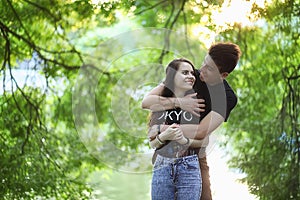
x,y
179,93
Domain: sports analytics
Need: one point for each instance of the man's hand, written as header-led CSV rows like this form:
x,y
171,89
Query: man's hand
x,y
191,104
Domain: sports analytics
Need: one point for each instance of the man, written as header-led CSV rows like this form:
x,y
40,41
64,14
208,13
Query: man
x,y
212,91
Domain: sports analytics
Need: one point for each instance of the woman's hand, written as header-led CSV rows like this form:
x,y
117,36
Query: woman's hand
x,y
184,141
173,132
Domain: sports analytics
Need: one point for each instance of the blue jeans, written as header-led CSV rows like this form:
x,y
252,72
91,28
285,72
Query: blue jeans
x,y
176,178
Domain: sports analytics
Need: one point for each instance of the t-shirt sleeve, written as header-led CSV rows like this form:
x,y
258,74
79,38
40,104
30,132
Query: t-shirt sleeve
x,y
231,100
223,99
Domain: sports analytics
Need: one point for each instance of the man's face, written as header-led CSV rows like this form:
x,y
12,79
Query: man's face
x,y
209,72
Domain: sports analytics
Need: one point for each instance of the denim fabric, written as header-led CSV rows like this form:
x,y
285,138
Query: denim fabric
x,y
176,178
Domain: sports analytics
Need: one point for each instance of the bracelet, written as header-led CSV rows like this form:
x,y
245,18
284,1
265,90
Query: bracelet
x,y
158,129
188,141
159,140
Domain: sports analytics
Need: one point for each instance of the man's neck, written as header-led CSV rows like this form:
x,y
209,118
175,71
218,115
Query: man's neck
x,y
215,83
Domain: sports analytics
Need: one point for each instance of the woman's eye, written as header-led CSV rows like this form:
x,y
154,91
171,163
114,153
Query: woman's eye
x,y
184,72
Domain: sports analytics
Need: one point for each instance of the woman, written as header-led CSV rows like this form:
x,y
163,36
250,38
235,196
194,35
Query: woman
x,y
176,172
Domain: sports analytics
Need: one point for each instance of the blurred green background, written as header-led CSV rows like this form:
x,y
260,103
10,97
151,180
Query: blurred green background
x,y
74,72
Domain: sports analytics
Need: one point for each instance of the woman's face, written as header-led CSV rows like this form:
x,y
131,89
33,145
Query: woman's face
x,y
185,77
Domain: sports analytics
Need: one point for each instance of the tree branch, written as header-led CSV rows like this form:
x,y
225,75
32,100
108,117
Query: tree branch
x,y
166,47
185,33
150,7
43,9
18,18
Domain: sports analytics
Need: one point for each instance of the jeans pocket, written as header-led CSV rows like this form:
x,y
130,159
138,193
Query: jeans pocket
x,y
192,165
158,163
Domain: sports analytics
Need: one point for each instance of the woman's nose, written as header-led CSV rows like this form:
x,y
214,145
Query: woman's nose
x,y
191,76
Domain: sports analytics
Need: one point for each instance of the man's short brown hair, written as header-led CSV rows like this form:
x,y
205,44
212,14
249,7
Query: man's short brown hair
x,y
225,55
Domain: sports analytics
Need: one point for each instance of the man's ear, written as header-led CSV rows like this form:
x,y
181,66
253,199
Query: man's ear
x,y
224,74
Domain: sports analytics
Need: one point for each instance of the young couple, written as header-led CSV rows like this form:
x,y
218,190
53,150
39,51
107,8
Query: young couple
x,y
186,108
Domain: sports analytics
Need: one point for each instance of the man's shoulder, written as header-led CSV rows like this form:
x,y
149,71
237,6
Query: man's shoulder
x,y
226,85
231,96
228,89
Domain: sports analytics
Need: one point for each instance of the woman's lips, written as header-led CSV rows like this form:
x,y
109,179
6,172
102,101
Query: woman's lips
x,y
190,82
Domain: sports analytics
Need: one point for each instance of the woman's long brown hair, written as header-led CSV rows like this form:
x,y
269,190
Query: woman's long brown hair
x,y
168,90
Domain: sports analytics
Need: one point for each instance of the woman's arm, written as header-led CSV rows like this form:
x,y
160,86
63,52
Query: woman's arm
x,y
172,132
157,142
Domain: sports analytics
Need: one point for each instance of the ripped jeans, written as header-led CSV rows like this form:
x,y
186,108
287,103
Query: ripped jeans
x,y
176,178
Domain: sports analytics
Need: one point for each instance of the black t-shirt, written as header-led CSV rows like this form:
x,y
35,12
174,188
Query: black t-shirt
x,y
219,98
178,116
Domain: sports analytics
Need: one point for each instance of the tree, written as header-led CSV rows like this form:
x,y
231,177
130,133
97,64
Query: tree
x,y
265,127
40,151
49,135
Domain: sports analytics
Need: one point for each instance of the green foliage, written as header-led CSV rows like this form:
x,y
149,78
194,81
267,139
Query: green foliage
x,y
264,128
110,185
52,139
35,160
